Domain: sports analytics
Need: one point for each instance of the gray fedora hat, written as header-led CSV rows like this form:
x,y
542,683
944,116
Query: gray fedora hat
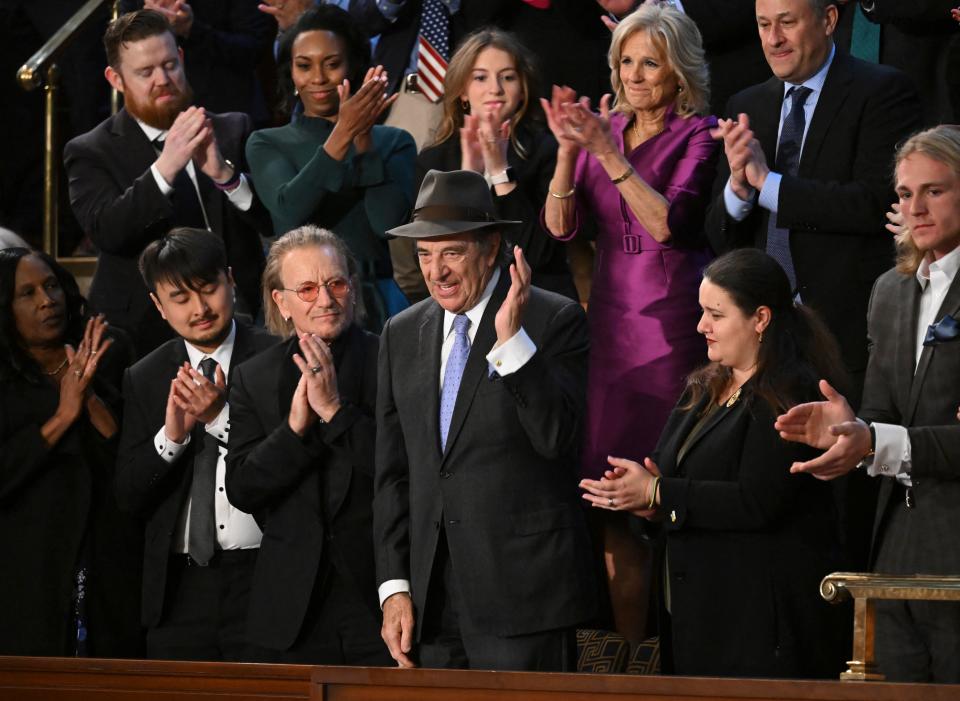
x,y
451,202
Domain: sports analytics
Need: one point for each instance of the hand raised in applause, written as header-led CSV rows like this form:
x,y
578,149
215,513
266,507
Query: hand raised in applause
x,y
75,385
828,425
189,130
358,113
178,13
587,129
286,12
316,365
553,109
193,398
748,164
509,317
626,487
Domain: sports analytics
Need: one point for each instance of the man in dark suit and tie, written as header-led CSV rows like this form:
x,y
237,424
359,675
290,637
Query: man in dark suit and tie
x,y
157,164
806,179
908,433
483,555
199,551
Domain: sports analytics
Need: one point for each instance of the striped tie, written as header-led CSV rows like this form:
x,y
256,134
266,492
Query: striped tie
x,y
433,49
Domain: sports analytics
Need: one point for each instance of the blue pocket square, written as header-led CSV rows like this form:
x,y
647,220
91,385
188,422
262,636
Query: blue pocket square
x,y
947,329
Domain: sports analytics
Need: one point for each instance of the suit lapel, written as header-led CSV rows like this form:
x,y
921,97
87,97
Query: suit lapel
x,y
950,305
287,379
765,117
834,94
133,146
908,312
477,366
429,340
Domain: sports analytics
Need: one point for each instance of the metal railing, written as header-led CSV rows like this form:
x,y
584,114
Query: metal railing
x,y
866,590
41,70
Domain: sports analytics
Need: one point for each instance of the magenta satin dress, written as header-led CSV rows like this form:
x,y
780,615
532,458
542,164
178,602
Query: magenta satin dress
x,y
644,307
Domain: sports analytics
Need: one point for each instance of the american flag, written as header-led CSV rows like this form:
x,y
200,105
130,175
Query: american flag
x,y
433,49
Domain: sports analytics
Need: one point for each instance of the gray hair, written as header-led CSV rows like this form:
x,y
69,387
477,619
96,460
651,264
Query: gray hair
x,y
677,36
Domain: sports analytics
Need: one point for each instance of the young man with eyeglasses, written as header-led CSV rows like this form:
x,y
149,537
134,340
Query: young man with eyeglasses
x,y
301,460
199,549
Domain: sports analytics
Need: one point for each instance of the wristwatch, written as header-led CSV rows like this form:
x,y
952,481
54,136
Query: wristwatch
x,y
873,448
505,176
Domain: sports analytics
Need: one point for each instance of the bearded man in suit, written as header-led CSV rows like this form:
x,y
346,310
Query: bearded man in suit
x,y
483,556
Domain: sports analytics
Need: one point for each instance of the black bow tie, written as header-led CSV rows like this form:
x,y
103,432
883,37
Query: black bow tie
x,y
947,329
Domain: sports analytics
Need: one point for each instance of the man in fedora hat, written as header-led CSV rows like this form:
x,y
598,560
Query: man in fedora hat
x,y
483,555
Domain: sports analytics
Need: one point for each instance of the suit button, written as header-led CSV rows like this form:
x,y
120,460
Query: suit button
x,y
446,475
673,517
453,522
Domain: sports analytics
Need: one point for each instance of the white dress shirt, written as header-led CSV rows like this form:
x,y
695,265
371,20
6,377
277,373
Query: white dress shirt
x,y
892,449
770,193
240,197
236,530
504,360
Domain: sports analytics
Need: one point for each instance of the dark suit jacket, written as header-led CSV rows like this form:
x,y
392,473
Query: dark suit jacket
x,y
227,42
920,38
504,490
57,511
145,482
926,403
311,496
398,38
118,203
747,545
546,255
834,207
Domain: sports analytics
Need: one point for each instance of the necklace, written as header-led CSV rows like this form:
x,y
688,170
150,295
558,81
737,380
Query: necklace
x,y
733,397
60,367
636,130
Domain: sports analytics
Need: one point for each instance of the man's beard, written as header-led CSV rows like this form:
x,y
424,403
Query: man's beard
x,y
160,116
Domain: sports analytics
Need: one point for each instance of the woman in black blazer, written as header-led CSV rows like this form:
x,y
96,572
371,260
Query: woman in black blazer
x,y
745,543
300,459
71,568
492,123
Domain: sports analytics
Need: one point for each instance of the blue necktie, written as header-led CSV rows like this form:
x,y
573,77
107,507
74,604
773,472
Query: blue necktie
x,y
788,162
452,374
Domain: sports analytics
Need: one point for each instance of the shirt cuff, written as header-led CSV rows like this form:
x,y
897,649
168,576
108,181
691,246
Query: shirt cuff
x,y
391,587
165,187
241,196
770,192
167,449
219,428
512,355
891,454
736,208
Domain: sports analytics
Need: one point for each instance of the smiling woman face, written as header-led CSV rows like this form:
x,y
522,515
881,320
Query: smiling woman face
x,y
494,86
649,82
39,304
318,66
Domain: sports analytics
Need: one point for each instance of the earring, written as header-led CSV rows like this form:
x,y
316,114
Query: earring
x,y
760,337
465,106
679,88
296,92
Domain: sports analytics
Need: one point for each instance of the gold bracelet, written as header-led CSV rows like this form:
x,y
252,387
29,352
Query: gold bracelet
x,y
653,494
627,173
563,195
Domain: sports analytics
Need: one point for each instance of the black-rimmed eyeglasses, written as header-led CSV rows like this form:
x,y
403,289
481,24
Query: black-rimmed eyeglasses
x,y
309,291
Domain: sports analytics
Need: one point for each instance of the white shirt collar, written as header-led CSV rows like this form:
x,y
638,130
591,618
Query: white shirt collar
x,y
152,132
948,265
476,313
816,81
222,354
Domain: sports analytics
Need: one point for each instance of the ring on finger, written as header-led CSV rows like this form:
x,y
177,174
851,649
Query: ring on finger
x,y
611,502
78,373
316,369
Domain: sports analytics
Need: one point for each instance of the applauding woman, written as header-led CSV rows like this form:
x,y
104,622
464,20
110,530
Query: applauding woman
x,y
331,166
492,124
746,543
642,170
71,585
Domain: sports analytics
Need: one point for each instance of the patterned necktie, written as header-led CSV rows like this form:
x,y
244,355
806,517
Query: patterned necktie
x,y
433,48
187,209
452,374
202,539
787,163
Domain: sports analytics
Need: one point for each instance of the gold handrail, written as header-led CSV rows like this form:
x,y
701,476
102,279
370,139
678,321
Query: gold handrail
x,y
865,590
42,67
